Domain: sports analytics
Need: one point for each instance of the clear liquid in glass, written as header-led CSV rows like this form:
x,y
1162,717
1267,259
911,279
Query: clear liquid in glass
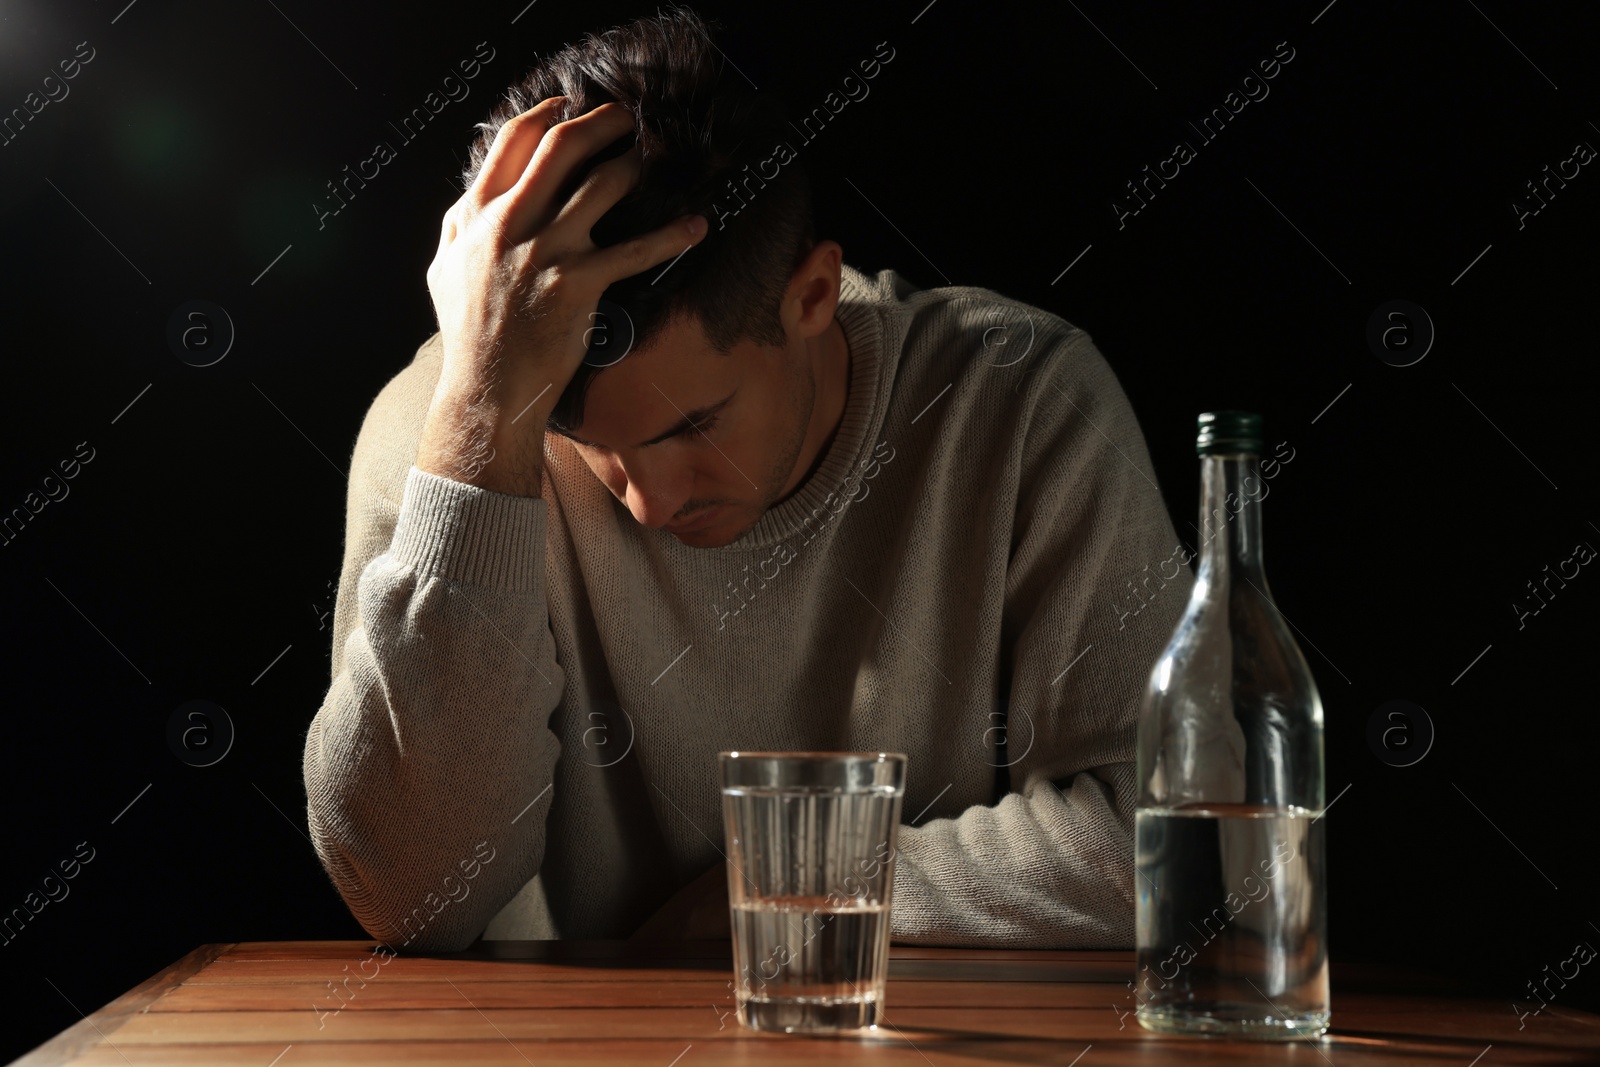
x,y
804,965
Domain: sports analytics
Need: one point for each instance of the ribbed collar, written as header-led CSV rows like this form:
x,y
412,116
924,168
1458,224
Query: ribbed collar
x,y
861,319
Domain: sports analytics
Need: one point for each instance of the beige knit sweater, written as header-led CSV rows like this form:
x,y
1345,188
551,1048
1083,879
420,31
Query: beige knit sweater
x,y
528,694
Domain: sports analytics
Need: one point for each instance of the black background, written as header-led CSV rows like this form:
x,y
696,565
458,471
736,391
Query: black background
x,y
204,538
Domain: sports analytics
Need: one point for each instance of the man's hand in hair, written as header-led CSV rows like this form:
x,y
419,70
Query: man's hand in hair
x,y
514,282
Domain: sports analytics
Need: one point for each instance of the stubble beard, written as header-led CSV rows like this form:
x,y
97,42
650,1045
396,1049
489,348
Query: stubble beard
x,y
803,403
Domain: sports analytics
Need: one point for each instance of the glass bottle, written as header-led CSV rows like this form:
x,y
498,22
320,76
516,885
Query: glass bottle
x,y
1232,880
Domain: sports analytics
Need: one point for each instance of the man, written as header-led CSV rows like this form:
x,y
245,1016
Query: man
x,y
803,509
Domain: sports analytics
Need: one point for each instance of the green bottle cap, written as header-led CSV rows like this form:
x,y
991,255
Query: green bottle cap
x,y
1229,431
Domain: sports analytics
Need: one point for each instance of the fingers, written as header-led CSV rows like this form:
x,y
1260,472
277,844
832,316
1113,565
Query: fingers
x,y
559,153
627,258
601,189
514,146
532,162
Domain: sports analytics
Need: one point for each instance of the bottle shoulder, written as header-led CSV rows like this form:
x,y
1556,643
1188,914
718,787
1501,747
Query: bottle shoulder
x,y
1237,636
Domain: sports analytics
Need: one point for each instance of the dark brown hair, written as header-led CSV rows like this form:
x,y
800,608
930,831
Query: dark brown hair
x,y
699,125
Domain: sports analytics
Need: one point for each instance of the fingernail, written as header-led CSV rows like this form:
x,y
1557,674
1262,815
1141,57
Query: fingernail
x,y
697,225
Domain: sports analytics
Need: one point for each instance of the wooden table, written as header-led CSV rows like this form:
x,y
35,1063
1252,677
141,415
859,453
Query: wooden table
x,y
660,1004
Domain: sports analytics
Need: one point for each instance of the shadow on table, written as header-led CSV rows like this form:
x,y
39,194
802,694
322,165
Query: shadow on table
x,y
1020,1048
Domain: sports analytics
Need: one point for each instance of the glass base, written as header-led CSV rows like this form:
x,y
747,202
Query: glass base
x,y
1236,1022
811,1014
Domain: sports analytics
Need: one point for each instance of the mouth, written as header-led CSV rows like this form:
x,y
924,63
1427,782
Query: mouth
x,y
698,522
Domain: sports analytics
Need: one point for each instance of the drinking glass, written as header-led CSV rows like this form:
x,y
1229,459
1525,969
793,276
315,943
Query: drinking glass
x,y
811,842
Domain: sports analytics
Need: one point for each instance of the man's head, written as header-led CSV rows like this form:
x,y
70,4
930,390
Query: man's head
x,y
715,403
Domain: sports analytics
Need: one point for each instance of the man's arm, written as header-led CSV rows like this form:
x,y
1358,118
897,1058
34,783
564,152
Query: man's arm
x,y
1051,865
427,758
433,737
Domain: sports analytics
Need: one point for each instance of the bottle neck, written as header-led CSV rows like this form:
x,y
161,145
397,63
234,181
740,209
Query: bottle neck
x,y
1231,492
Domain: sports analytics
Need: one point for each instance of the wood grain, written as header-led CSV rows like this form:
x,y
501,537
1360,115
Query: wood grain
x,y
669,1004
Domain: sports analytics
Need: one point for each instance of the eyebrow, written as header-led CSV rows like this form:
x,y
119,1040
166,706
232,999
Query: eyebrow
x,y
690,420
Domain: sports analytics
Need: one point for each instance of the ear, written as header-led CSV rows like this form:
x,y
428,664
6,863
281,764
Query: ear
x,y
813,292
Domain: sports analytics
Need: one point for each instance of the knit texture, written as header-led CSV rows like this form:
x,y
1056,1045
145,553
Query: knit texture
x,y
534,690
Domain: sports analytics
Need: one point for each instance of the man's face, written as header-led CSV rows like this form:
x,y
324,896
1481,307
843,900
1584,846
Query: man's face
x,y
697,441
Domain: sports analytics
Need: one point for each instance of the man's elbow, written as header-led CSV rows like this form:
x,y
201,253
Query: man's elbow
x,y
430,934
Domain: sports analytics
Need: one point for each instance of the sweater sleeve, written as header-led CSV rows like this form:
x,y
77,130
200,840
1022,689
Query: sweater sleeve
x,y
1051,865
428,765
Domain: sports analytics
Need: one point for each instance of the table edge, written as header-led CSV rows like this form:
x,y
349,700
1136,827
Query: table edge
x,y
92,1029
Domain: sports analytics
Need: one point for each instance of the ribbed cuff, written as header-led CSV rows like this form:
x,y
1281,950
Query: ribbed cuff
x,y
469,534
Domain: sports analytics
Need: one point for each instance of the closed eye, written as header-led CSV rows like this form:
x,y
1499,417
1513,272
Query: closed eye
x,y
695,432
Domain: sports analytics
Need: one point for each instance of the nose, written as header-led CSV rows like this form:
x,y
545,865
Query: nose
x,y
655,492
